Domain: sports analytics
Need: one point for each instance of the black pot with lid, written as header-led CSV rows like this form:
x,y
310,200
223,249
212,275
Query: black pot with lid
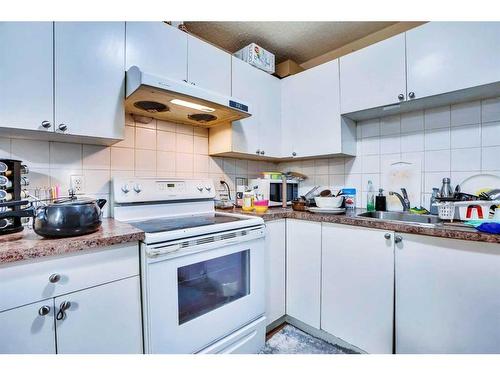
x,y
64,217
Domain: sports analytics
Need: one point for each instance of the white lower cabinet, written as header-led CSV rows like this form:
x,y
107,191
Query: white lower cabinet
x,y
447,296
275,270
86,303
303,270
28,329
357,286
105,319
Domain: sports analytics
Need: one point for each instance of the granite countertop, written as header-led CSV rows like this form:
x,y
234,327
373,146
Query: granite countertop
x,y
28,245
459,232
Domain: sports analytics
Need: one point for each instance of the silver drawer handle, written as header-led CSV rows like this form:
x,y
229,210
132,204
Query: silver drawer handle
x,y
398,238
44,310
54,278
62,310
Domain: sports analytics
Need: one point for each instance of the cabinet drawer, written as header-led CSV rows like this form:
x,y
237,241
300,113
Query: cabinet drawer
x,y
25,283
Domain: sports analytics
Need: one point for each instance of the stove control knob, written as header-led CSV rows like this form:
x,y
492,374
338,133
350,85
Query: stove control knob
x,y
137,188
125,189
200,189
208,188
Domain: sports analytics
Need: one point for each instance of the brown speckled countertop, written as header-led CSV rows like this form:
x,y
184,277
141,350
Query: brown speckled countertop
x,y
28,245
459,232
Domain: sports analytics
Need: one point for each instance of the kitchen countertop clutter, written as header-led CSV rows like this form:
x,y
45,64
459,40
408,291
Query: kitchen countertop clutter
x,y
452,231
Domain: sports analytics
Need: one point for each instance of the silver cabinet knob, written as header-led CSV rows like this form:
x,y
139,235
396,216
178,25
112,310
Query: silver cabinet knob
x,y
137,188
200,188
262,152
208,188
401,97
411,94
398,238
125,189
61,314
44,310
54,278
257,152
294,153
46,124
63,127
387,236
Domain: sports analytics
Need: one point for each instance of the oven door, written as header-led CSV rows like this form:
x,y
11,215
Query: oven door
x,y
202,292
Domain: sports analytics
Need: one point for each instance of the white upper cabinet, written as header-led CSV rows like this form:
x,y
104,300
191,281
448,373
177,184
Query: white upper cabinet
x,y
448,56
157,48
89,78
373,76
208,67
260,133
312,125
26,75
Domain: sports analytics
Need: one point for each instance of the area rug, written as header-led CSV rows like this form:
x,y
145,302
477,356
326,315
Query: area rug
x,y
291,340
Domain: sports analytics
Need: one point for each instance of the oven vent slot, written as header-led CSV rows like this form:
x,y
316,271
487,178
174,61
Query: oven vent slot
x,y
227,236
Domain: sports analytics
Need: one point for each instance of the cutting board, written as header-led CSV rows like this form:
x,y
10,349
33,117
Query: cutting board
x,y
402,175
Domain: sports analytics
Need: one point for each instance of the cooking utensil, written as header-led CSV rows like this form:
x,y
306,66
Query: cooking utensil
x,y
64,217
299,205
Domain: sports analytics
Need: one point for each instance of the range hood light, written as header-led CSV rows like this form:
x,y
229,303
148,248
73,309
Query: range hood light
x,y
185,103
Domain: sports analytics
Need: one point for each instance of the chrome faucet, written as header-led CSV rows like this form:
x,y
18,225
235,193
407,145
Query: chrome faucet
x,y
403,199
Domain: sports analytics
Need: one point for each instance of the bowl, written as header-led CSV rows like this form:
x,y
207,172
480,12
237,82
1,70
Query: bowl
x,y
260,209
263,202
329,202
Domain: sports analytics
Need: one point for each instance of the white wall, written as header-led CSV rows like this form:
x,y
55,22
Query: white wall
x,y
455,141
157,149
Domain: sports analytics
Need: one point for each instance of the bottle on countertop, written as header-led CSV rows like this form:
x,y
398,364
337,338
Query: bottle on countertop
x,y
370,197
380,201
433,208
446,191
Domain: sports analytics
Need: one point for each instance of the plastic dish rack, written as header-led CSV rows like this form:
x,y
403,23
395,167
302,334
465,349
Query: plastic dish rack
x,y
467,209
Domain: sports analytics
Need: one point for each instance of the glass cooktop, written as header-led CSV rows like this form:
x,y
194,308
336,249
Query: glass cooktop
x,y
170,224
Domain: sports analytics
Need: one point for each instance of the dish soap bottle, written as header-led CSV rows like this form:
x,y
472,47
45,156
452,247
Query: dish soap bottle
x,y
380,201
433,208
370,197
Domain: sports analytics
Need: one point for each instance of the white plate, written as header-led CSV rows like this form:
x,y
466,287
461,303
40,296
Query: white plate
x,y
480,181
334,211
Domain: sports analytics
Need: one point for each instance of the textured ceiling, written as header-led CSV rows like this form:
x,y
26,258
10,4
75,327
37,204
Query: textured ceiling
x,y
299,41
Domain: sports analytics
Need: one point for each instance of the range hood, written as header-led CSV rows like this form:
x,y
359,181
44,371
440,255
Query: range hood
x,y
180,102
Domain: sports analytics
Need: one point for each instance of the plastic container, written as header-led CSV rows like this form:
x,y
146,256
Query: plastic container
x,y
257,56
446,210
350,198
470,210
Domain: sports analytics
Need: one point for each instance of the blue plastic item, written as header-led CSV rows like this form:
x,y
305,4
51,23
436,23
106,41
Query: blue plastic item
x,y
493,228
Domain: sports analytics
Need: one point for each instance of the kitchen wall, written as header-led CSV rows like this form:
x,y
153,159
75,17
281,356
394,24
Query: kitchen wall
x,y
455,141
156,149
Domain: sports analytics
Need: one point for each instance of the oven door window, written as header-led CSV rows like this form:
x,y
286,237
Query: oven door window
x,y
208,285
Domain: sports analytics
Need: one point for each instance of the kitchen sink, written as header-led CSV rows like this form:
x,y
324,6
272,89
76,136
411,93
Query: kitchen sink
x,y
405,217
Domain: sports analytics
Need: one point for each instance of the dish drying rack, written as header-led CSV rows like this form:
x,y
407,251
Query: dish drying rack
x,y
478,209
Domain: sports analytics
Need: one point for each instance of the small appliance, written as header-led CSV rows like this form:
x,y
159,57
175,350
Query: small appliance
x,y
272,190
11,193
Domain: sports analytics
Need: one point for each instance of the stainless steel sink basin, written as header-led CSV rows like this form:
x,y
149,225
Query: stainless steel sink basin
x,y
405,217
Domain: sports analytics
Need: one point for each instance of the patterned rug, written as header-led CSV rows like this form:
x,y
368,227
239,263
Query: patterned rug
x,y
291,340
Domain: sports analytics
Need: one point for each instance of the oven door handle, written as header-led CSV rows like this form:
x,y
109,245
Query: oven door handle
x,y
163,251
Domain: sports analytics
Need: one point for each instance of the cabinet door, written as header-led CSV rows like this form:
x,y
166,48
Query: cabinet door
x,y
303,271
89,78
275,270
245,87
373,76
270,114
157,48
209,67
289,107
28,329
26,75
104,319
447,296
316,112
357,291
448,56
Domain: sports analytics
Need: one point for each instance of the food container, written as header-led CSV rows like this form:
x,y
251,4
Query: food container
x,y
272,175
329,202
350,197
257,56
261,205
299,205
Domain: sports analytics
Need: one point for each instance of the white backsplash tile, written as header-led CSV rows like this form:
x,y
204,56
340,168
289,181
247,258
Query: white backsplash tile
x,y
35,154
490,158
65,155
390,125
370,164
145,138
490,110
412,142
4,147
466,113
437,161
438,139
466,159
390,144
436,118
96,157
370,146
370,128
336,166
122,159
165,141
491,134
466,136
412,122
